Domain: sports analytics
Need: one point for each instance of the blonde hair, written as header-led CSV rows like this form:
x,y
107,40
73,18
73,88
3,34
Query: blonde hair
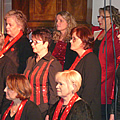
x,y
71,24
71,77
20,18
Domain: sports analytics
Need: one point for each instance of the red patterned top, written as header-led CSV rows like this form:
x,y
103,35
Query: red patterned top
x,y
60,51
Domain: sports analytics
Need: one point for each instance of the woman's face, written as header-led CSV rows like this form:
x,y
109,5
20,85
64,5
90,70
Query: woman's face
x,y
101,20
76,43
12,27
64,89
38,45
61,23
10,94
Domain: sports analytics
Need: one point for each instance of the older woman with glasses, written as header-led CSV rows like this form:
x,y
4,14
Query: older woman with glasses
x,y
87,64
16,46
104,38
41,70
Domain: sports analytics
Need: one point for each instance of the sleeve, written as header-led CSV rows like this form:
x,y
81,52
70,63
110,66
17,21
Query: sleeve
x,y
81,112
25,51
112,107
91,79
117,46
54,68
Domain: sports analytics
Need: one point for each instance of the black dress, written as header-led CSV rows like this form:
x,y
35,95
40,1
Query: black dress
x,y
79,111
30,112
90,90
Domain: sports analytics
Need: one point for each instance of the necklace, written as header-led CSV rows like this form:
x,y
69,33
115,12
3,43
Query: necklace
x,y
67,109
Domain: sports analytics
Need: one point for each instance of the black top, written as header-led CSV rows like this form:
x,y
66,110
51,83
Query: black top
x,y
118,96
90,90
22,50
96,46
30,112
79,111
6,67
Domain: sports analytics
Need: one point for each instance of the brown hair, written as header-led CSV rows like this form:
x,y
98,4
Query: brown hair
x,y
44,34
20,18
115,14
85,35
20,84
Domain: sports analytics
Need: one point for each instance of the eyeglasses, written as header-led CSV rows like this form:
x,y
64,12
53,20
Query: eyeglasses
x,y
35,41
102,17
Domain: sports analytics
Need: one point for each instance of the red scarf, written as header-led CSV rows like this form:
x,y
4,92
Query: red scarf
x,y
67,109
19,111
77,60
6,48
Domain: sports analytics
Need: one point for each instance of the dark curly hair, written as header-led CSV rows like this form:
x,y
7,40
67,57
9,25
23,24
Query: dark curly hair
x,y
115,14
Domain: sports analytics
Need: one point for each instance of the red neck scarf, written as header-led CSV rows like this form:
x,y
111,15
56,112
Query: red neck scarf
x,y
19,111
6,48
79,58
67,109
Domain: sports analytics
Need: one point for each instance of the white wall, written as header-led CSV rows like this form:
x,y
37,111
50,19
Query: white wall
x,y
100,3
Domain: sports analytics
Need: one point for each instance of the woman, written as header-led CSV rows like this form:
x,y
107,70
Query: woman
x,y
16,46
18,90
60,46
100,50
87,64
70,106
41,70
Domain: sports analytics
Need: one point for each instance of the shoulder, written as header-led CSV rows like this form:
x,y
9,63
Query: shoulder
x,y
55,63
23,41
81,110
31,107
31,111
91,58
81,104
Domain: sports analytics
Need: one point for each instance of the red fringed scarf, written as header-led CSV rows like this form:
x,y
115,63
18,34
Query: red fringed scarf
x,y
67,109
79,58
19,111
6,48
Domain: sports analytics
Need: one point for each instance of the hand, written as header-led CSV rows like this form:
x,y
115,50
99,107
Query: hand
x,y
118,36
1,38
47,117
111,117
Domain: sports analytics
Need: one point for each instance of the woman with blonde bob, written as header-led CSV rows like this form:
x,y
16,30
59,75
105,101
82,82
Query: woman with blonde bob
x,y
18,90
70,106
